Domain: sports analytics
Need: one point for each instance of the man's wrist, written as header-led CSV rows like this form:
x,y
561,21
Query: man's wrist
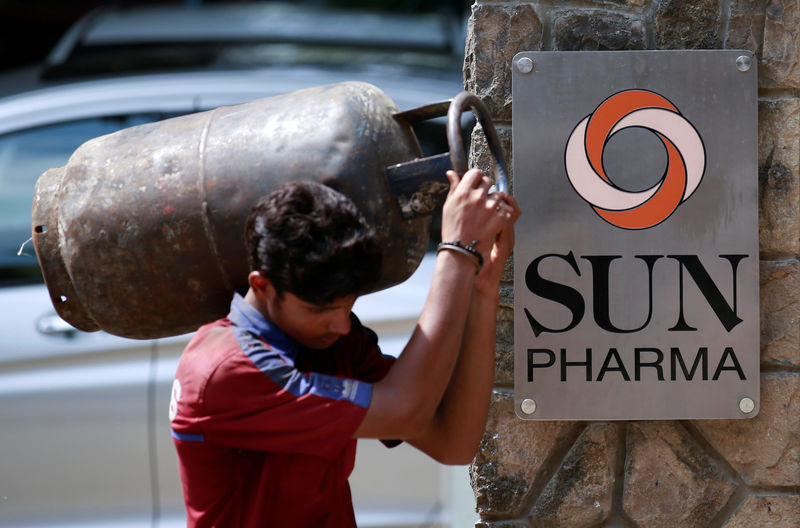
x,y
488,293
455,262
467,250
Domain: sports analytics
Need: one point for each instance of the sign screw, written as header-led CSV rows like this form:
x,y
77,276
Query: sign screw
x,y
743,63
746,405
528,406
525,65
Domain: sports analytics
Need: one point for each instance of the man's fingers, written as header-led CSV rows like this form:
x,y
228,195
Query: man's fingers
x,y
471,213
453,176
499,205
454,180
473,178
506,204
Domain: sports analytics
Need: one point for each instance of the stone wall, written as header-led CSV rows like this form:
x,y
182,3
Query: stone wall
x,y
659,474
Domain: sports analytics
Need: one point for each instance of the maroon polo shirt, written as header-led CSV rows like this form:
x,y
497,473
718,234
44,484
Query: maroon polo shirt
x,y
264,427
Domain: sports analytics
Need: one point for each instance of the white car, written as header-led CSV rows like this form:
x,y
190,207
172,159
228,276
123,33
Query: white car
x,y
85,437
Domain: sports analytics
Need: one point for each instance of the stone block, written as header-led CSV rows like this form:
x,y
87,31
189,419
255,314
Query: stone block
x,y
593,30
580,493
670,480
482,157
780,313
504,353
779,177
779,67
505,312
508,272
686,25
514,456
765,450
507,297
770,511
495,34
746,25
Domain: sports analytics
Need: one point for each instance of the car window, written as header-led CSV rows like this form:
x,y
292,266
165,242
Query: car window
x,y
24,156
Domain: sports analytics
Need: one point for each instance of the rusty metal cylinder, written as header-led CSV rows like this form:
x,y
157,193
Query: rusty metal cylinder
x,y
141,232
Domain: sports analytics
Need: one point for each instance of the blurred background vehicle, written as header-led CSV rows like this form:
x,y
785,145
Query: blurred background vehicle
x,y
85,438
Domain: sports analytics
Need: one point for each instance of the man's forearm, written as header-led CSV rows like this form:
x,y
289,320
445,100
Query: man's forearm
x,y
408,397
456,430
408,402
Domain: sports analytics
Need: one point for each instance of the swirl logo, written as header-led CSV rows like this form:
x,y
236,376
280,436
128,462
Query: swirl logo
x,y
686,159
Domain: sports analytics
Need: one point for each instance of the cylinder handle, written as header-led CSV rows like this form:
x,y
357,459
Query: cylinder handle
x,y
458,157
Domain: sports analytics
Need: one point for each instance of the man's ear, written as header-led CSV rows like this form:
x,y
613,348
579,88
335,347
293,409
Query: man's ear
x,y
261,285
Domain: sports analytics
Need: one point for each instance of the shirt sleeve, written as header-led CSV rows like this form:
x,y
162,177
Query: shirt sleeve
x,y
370,365
255,397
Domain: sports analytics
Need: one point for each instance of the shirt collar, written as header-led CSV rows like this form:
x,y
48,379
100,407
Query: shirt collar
x,y
244,315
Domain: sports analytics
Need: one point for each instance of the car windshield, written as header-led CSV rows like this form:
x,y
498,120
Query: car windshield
x,y
246,36
128,59
24,156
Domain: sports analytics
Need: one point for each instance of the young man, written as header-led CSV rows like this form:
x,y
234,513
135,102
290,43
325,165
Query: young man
x,y
269,401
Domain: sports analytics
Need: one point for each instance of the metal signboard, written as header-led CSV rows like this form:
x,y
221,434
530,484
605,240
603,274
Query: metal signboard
x,y
636,263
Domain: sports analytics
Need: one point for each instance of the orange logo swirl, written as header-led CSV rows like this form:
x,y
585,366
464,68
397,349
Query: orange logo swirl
x,y
686,159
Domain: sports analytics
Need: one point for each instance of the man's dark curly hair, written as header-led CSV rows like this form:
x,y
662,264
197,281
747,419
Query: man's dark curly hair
x,y
312,241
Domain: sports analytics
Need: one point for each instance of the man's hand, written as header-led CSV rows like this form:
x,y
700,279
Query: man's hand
x,y
470,214
488,280
436,395
453,433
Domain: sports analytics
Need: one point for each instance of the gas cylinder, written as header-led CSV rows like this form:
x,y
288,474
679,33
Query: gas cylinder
x,y
141,232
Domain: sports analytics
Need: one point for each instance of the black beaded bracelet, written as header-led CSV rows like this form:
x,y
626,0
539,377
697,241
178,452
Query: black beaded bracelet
x,y
468,250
